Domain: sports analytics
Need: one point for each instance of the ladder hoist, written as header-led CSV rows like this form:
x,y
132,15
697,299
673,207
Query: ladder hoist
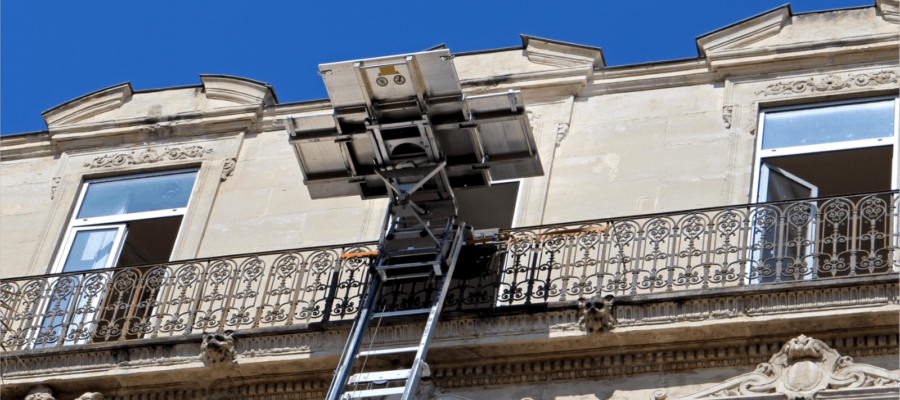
x,y
401,128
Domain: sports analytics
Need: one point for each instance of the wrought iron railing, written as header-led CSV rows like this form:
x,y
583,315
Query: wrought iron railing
x,y
718,247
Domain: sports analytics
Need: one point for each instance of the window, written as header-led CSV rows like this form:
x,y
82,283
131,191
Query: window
x,y
119,222
126,221
828,150
818,151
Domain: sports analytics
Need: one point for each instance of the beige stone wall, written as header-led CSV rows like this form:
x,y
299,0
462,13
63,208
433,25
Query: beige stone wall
x,y
640,152
25,202
264,206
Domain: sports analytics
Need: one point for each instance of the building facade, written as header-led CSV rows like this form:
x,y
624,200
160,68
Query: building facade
x,y
720,226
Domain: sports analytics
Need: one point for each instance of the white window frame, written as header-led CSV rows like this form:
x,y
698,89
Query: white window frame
x,y
757,197
78,224
520,192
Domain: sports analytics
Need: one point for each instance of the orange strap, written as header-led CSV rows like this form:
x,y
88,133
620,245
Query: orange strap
x,y
364,254
597,229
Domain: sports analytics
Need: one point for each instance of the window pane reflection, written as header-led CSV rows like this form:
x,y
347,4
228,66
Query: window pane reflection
x,y
90,250
829,124
128,196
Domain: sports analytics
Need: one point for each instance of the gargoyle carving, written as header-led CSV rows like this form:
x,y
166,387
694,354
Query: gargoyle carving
x,y
804,367
217,348
40,392
596,314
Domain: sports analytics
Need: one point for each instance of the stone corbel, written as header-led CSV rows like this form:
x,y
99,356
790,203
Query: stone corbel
x,y
596,314
218,349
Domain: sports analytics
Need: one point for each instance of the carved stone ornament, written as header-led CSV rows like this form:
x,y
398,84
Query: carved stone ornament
x,y
147,156
91,396
562,130
228,168
54,187
40,392
727,113
804,367
830,82
217,348
596,314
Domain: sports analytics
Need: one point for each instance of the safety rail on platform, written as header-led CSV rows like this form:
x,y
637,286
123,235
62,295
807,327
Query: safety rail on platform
x,y
759,244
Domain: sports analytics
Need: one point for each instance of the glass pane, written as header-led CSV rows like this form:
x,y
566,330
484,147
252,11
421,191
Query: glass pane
x,y
90,250
781,188
829,124
137,195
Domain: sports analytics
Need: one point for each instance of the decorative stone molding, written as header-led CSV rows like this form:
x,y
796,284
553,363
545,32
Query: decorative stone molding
x,y
830,82
217,349
561,54
148,156
890,10
562,131
238,90
596,314
40,392
54,186
804,367
91,396
88,105
727,115
745,32
228,168
636,362
757,304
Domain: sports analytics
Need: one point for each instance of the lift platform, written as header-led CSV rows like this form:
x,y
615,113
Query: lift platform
x,y
401,128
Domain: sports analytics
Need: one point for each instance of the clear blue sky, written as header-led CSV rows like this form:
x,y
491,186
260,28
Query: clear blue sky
x,y
53,52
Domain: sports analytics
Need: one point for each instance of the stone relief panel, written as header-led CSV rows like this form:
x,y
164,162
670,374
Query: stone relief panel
x,y
148,156
830,82
800,370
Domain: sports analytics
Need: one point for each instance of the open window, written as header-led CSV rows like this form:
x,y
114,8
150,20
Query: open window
x,y
118,222
811,152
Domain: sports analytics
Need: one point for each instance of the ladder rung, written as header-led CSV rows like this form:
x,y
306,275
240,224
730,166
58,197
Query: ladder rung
x,y
409,265
359,394
407,276
403,312
394,350
380,376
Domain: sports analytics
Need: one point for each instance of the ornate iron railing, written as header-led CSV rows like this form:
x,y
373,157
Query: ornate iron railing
x,y
719,247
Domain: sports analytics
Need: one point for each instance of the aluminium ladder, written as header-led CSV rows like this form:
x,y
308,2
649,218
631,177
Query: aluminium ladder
x,y
345,386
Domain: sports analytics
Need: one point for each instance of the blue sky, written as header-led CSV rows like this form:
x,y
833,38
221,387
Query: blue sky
x,y
52,52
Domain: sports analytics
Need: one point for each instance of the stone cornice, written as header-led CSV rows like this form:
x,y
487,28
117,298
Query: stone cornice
x,y
806,55
88,105
134,130
744,32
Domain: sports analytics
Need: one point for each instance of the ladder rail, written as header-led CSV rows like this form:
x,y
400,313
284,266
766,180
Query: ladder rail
x,y
348,357
412,383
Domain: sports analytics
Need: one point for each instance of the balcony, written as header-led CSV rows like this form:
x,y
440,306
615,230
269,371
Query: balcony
x,y
760,247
